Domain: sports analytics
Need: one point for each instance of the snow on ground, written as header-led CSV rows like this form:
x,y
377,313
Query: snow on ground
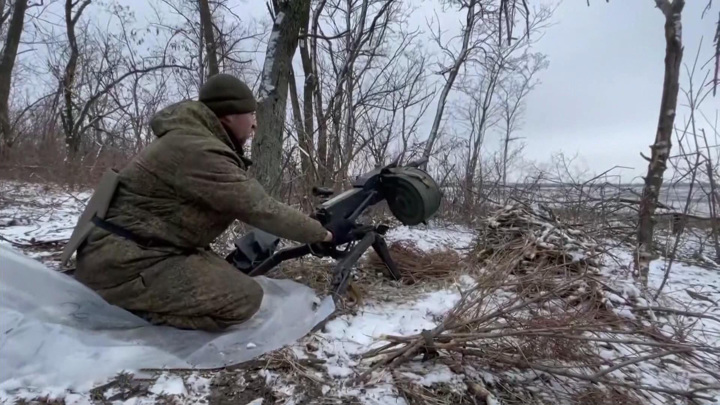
x,y
348,337
344,339
39,213
191,388
433,237
36,216
36,213
688,288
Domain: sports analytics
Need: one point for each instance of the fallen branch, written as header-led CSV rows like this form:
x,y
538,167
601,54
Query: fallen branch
x,y
637,360
33,243
678,312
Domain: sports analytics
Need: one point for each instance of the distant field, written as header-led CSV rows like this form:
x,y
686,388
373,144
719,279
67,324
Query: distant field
x,y
674,197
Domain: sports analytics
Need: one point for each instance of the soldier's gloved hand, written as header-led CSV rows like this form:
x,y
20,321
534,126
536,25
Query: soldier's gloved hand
x,y
341,230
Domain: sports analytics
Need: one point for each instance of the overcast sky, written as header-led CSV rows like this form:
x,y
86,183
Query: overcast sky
x,y
600,97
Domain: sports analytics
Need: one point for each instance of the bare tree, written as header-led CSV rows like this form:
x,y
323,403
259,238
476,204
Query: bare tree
x,y
502,14
391,128
481,115
472,16
267,144
660,150
206,21
512,95
716,76
177,25
481,108
347,82
351,55
68,79
138,99
7,62
355,58
95,66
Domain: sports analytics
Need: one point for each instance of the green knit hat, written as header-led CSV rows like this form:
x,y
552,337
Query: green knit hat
x,y
225,94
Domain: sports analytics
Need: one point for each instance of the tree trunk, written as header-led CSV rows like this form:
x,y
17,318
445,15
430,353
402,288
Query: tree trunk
x,y
349,143
209,37
335,157
323,169
7,62
660,150
713,207
307,134
3,15
267,143
476,143
506,146
72,137
303,144
298,121
468,189
459,61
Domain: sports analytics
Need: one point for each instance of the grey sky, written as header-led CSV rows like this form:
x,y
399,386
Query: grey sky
x,y
600,96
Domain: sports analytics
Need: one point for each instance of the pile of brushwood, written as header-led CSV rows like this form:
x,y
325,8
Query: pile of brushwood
x,y
545,323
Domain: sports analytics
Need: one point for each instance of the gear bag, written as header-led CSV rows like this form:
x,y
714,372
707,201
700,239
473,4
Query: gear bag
x,y
96,207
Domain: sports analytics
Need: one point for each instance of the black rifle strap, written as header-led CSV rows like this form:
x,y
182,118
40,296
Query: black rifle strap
x,y
139,240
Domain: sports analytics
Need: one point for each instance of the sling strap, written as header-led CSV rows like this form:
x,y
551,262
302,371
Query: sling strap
x,y
137,239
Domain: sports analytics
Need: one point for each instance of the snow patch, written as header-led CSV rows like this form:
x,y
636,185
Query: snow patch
x,y
437,374
430,237
169,385
198,385
78,399
39,213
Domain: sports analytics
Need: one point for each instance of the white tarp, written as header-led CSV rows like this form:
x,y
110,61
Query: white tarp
x,y
57,333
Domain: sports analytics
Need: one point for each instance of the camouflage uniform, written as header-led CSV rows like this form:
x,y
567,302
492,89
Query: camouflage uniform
x,y
185,188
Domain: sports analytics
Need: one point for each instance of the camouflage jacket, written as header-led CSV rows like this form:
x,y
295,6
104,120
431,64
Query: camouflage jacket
x,y
186,188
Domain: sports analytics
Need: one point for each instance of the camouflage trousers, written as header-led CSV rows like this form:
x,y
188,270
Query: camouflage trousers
x,y
197,291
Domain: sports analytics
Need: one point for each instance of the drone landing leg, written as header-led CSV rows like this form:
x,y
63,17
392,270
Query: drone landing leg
x,y
343,268
382,251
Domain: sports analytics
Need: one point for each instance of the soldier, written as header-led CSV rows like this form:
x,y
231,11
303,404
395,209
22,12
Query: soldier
x,y
150,254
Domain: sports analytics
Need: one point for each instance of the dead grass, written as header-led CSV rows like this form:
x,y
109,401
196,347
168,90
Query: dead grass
x,y
436,394
612,396
125,385
239,387
311,271
416,265
419,269
46,400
